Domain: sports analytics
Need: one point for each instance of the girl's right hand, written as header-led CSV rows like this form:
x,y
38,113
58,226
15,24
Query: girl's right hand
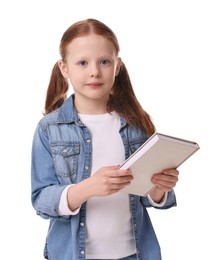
x,y
108,180
105,181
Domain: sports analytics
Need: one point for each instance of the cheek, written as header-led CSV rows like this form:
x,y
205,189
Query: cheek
x,y
110,74
76,79
75,75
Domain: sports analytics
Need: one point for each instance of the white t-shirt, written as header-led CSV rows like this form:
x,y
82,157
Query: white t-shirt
x,y
108,219
109,231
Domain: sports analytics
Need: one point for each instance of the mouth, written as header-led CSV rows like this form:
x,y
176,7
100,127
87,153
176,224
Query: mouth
x,y
94,84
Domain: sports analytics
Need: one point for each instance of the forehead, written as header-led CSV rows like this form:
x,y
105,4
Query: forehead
x,y
91,43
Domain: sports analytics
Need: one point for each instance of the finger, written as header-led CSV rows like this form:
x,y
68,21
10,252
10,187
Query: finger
x,y
166,180
164,177
117,187
115,167
121,173
169,173
126,179
164,188
173,172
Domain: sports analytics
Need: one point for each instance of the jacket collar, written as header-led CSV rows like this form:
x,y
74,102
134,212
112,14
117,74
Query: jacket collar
x,y
67,112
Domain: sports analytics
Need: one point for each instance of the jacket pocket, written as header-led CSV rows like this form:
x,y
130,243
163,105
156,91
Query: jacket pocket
x,y
65,156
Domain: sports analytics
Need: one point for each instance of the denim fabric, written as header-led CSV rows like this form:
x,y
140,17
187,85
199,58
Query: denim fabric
x,y
61,155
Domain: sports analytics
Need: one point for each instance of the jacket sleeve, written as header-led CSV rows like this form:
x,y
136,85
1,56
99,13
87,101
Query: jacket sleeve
x,y
170,201
46,190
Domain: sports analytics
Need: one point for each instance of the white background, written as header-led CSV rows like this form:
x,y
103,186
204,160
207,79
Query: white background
x,y
170,50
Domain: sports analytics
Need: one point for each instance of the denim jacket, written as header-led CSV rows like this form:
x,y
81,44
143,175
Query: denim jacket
x,y
61,155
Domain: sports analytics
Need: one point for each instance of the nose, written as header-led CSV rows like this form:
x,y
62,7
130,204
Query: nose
x,y
95,71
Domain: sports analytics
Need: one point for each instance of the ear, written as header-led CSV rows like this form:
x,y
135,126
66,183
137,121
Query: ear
x,y
63,68
119,63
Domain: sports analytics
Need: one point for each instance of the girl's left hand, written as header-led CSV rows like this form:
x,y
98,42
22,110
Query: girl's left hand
x,y
166,180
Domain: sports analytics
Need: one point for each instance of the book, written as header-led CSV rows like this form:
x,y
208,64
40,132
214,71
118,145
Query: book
x,y
158,153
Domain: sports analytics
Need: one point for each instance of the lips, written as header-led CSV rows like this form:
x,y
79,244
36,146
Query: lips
x,y
94,84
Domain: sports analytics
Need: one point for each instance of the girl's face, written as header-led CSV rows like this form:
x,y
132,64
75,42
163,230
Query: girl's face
x,y
91,66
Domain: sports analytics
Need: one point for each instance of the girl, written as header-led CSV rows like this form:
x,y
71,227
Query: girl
x,y
77,147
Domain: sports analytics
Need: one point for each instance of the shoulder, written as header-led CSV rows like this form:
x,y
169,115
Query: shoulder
x,y
49,119
63,115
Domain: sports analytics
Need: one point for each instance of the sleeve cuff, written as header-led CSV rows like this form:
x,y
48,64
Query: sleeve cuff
x,y
161,204
63,209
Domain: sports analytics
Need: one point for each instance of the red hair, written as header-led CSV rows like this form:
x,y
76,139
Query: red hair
x,y
122,99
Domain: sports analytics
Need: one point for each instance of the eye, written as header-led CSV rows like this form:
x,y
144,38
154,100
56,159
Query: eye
x,y
105,62
83,63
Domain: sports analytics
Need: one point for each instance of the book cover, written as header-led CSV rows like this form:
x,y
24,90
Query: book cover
x,y
158,153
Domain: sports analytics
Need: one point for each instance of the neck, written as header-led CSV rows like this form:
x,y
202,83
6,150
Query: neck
x,y
90,106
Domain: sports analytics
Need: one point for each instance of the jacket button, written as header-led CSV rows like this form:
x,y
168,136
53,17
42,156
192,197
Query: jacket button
x,y
82,252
